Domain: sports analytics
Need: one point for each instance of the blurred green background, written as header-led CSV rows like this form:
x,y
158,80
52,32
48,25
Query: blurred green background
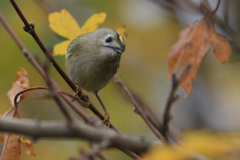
x,y
214,102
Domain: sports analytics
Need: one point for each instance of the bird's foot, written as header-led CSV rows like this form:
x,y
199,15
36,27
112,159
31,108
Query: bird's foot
x,y
76,93
107,119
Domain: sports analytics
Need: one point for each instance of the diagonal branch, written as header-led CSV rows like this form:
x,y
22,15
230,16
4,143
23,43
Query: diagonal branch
x,y
137,107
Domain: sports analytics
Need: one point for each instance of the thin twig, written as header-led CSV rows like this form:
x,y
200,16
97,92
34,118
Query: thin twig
x,y
37,88
102,157
171,99
167,108
95,150
137,107
75,107
57,99
151,116
215,10
48,129
190,5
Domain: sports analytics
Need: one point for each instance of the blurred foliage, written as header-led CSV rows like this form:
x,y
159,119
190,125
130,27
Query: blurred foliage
x,y
199,145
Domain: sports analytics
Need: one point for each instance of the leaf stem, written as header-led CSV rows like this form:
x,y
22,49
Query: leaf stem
x,y
215,10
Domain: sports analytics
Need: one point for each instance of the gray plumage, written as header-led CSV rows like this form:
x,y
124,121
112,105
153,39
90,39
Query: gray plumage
x,y
92,59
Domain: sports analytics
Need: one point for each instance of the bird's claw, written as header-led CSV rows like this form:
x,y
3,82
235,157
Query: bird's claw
x,y
76,93
107,119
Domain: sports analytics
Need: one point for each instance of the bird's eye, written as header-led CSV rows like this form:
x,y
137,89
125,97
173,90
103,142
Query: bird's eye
x,y
109,39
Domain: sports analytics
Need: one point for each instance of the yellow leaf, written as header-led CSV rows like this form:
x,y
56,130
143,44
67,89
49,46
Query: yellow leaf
x,y
209,144
167,153
60,48
92,23
198,144
64,24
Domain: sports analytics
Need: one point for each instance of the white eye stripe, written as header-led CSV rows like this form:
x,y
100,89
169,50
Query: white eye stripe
x,y
109,39
107,36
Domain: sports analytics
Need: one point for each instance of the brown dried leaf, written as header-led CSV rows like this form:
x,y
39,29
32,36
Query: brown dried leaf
x,y
1,137
20,84
12,147
193,44
222,48
28,144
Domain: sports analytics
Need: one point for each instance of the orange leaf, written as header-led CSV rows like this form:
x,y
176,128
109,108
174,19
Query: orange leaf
x,y
122,31
193,44
222,48
12,148
28,144
64,24
92,23
20,84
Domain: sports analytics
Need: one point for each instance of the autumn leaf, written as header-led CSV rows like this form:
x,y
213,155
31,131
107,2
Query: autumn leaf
x,y
197,144
20,84
66,26
122,31
12,147
193,45
28,144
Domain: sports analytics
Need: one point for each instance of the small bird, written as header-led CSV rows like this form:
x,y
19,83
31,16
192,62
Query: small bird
x,y
92,59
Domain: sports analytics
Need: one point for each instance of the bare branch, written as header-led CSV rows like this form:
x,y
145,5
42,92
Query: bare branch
x,y
95,150
46,129
171,99
167,108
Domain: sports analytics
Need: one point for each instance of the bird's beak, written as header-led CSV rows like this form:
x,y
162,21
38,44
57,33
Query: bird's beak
x,y
118,50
